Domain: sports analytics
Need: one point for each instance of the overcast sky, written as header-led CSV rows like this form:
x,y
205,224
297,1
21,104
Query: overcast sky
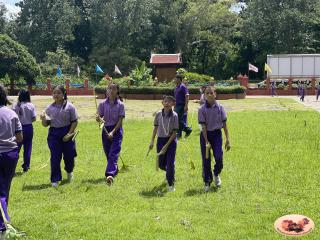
x,y
12,9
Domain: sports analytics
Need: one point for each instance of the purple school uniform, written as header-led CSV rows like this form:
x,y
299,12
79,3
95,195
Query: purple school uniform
x,y
167,123
180,94
111,113
26,113
318,92
9,155
61,118
213,117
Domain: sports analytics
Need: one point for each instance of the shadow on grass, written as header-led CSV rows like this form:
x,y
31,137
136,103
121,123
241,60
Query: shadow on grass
x,y
157,191
42,186
198,191
36,187
94,181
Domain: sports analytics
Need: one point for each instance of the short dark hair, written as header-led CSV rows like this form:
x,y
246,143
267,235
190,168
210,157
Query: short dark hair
x,y
179,76
24,96
170,98
3,96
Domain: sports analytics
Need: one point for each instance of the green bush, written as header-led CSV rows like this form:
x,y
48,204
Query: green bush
x,y
170,90
197,79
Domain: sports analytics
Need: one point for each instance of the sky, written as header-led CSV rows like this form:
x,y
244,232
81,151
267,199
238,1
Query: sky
x,y
12,9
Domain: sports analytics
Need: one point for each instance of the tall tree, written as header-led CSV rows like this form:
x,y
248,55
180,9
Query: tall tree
x,y
46,25
3,21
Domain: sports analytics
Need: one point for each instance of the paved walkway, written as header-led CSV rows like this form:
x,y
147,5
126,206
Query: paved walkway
x,y
309,101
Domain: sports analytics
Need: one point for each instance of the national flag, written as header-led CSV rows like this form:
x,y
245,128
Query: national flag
x,y
98,69
78,71
117,70
253,68
59,72
267,68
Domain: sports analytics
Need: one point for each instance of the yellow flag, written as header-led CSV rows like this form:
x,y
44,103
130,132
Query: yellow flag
x,y
267,68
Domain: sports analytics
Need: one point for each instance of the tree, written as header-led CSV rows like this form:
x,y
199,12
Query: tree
x,y
3,12
46,25
16,61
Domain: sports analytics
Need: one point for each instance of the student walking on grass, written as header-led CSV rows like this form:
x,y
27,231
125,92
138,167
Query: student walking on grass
x,y
213,118
111,113
62,118
27,115
10,136
181,95
166,125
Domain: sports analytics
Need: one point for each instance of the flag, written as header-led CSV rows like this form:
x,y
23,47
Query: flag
x,y
59,72
117,70
253,68
267,68
98,69
78,71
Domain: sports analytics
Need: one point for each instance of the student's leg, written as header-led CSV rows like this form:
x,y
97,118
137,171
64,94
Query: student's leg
x,y
162,158
69,153
113,156
8,163
170,170
27,146
55,146
206,163
180,111
216,144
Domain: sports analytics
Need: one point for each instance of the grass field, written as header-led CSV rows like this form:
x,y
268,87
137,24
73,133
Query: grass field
x,y
271,170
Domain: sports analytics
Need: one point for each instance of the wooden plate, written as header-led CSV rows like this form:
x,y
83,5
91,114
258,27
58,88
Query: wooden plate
x,y
295,218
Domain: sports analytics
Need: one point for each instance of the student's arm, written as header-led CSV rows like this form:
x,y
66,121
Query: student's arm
x,y
154,133
204,132
19,137
44,120
226,132
73,127
172,137
118,125
186,104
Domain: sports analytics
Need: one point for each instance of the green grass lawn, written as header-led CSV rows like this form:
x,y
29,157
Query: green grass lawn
x,y
271,170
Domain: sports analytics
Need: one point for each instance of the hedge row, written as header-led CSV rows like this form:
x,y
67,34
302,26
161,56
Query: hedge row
x,y
169,91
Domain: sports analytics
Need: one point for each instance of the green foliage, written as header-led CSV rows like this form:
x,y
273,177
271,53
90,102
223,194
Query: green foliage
x,y
16,61
5,80
169,90
197,79
60,58
141,76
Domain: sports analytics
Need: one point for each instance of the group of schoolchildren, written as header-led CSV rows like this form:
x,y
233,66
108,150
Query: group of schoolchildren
x,y
301,90
62,119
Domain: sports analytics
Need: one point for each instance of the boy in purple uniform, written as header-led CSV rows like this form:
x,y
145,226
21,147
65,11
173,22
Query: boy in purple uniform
x,y
166,125
213,118
62,118
111,113
181,95
318,91
302,92
27,114
10,135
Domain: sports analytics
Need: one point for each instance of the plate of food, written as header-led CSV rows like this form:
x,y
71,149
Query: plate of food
x,y
294,225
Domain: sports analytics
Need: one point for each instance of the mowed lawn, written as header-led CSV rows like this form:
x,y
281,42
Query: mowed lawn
x,y
271,170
